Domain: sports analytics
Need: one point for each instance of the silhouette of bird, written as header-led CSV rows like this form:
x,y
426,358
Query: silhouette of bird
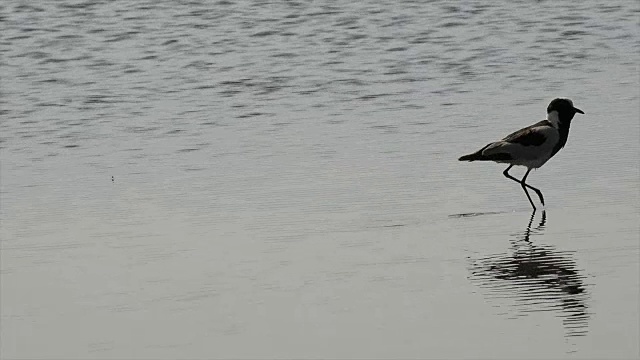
x,y
532,146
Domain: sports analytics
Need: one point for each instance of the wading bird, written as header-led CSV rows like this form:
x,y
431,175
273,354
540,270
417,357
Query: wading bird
x,y
532,146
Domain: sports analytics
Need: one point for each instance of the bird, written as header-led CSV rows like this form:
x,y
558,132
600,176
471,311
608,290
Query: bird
x,y
531,146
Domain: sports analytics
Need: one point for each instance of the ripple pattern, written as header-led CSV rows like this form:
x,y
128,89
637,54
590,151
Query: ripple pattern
x,y
538,278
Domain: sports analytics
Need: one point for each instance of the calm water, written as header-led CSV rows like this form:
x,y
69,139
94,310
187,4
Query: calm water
x,y
285,182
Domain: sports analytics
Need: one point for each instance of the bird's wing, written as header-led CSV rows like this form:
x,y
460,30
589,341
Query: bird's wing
x,y
521,144
531,135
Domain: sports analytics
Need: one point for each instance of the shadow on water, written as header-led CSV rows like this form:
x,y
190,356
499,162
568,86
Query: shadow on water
x,y
538,278
474,214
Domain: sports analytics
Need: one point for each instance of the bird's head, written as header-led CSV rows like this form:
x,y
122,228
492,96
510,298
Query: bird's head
x,y
565,111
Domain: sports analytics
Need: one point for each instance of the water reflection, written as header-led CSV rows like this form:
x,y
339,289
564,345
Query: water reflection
x,y
538,278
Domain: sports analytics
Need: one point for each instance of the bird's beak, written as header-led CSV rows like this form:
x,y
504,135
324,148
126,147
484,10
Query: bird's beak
x,y
578,110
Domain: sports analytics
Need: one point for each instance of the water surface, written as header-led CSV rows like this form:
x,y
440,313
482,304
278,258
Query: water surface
x,y
285,182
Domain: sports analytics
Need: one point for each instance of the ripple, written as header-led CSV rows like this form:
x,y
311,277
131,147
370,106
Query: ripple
x,y
538,278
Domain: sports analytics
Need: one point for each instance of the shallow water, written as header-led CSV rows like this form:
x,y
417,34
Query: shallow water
x,y
242,179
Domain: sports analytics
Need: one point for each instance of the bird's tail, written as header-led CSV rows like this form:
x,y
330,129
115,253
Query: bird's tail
x,y
473,157
492,152
481,155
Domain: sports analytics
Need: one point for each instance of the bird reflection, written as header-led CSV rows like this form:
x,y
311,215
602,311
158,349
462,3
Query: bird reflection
x,y
538,278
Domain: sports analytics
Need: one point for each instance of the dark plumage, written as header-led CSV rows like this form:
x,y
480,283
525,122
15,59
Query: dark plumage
x,y
532,146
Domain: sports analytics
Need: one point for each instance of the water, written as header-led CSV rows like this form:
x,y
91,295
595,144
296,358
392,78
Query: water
x,y
285,182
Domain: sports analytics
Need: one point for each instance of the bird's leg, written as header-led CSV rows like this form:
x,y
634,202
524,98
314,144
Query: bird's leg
x,y
506,173
538,192
523,184
524,187
532,188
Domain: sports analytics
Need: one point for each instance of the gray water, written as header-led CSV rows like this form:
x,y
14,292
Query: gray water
x,y
255,179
